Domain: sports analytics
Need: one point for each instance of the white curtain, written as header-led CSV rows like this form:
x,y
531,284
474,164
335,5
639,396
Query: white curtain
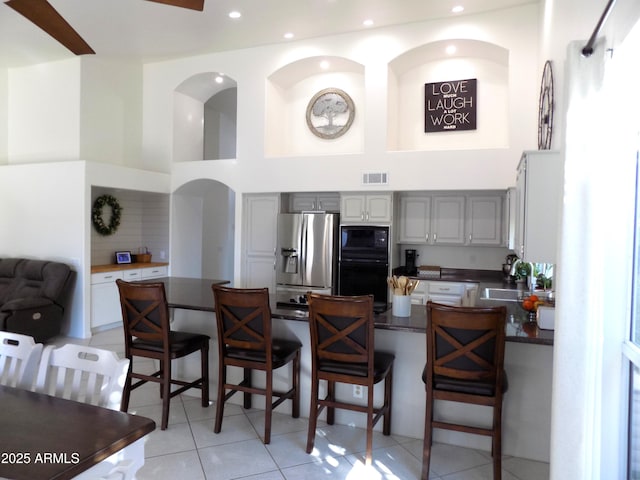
x,y
594,271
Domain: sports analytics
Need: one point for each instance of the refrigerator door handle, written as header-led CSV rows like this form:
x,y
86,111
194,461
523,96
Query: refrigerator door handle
x,y
303,247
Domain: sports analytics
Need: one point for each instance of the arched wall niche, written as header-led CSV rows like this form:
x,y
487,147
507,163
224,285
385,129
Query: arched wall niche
x,y
205,118
203,230
288,92
445,60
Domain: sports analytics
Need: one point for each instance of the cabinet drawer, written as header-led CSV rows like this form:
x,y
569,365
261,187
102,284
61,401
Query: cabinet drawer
x,y
132,275
447,288
153,272
105,277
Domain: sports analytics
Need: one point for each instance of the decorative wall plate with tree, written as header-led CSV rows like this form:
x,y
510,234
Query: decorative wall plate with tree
x,y
330,113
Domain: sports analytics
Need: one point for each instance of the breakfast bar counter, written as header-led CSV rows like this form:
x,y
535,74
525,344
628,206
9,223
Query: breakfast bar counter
x,y
528,362
518,327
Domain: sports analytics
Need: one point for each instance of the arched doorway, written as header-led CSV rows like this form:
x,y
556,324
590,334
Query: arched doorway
x,y
203,230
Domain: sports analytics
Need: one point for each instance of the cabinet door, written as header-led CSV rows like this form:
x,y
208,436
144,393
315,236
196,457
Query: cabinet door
x,y
328,202
303,202
379,208
484,220
261,232
415,219
105,299
262,224
419,294
352,208
520,209
447,225
543,184
509,219
260,272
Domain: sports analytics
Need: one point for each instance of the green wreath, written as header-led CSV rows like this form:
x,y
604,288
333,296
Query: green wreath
x,y
96,215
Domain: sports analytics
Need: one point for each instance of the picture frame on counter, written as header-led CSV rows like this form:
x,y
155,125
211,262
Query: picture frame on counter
x,y
123,257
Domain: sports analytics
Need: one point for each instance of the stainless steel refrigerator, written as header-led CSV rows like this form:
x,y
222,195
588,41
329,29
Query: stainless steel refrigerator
x,y
306,257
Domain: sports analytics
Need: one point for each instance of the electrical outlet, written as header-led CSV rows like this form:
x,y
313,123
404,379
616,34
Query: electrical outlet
x,y
357,391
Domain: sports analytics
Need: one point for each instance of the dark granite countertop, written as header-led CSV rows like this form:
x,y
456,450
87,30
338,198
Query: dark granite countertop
x,y
519,328
195,294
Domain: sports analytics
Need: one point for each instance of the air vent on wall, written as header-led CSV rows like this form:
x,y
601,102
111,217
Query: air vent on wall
x,y
375,178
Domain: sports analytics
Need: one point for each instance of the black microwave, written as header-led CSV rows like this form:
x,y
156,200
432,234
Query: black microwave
x,y
364,243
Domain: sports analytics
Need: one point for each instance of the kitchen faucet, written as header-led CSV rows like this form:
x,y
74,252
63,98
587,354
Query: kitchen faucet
x,y
532,279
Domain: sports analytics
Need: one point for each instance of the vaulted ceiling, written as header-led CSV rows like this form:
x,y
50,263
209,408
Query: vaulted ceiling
x,y
153,29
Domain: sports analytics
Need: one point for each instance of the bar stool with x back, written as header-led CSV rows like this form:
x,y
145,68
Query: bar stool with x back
x,y
342,350
243,319
465,363
147,333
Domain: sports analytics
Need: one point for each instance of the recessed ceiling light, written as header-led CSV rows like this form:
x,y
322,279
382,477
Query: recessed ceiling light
x,y
368,23
235,14
324,64
451,49
457,9
219,79
288,35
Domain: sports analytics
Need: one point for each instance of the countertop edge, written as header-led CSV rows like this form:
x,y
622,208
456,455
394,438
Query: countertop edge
x,y
125,266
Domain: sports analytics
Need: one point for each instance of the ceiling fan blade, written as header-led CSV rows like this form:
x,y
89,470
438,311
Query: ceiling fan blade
x,y
42,14
191,4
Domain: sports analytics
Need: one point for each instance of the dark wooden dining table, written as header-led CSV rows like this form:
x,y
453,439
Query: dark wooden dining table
x,y
44,437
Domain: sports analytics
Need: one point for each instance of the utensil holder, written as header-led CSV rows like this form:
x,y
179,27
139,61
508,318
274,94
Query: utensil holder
x,y
401,306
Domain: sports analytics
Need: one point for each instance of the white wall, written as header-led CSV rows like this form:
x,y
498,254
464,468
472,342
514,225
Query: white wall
x,y
514,30
4,115
110,111
188,133
42,212
44,104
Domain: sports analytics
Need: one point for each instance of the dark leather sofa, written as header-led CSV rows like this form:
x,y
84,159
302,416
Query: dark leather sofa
x,y
33,296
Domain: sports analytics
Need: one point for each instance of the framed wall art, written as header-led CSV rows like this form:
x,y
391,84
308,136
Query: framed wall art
x,y
330,113
450,105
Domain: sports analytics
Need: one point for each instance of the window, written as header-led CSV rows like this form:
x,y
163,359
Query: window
x,y
631,351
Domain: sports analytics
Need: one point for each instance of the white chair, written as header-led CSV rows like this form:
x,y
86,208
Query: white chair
x,y
84,374
19,357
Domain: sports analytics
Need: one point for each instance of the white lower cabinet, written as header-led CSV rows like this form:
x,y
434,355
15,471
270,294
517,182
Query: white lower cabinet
x,y
458,294
419,294
105,299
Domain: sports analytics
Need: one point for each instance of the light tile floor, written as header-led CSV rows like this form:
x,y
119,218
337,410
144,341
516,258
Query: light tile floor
x,y
189,449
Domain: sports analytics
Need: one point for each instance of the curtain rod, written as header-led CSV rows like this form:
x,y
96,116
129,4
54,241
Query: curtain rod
x,y
588,48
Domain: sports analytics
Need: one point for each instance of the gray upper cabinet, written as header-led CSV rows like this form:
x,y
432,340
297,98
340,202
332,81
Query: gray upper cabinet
x,y
432,219
485,220
367,208
458,218
314,202
538,203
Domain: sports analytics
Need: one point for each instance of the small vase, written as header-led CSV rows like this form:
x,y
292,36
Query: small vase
x,y
401,306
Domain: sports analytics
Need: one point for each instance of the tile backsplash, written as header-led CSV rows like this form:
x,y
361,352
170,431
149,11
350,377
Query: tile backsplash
x,y
144,223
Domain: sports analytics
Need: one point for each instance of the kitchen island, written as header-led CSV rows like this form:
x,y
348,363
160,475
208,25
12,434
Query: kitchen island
x,y
528,362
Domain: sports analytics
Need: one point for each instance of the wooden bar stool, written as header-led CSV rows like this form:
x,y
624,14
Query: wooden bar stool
x,y
465,363
243,319
342,350
147,333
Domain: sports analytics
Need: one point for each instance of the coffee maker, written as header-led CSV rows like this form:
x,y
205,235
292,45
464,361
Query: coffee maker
x,y
506,268
410,258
